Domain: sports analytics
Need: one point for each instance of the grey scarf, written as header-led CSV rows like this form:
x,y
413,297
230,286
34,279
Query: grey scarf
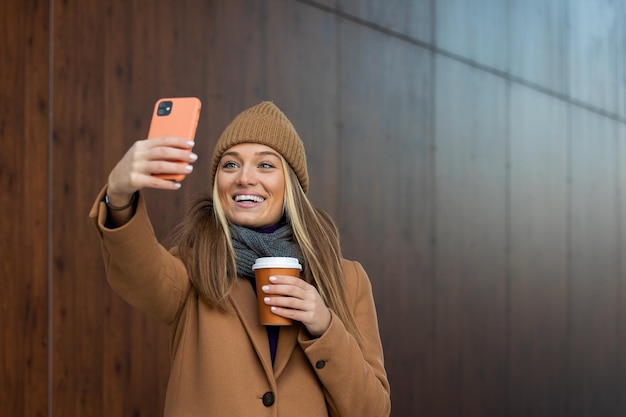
x,y
250,245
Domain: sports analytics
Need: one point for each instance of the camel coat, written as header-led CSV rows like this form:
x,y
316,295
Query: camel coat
x,y
220,362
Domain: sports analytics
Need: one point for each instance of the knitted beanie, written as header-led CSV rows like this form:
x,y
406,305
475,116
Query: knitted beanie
x,y
267,125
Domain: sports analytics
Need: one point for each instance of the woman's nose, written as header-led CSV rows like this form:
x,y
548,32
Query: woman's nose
x,y
246,176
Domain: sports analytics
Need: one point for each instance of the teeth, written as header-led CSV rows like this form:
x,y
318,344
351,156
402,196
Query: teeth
x,y
254,198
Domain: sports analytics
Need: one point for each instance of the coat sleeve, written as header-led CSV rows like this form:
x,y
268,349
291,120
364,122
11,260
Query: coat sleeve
x,y
353,374
138,268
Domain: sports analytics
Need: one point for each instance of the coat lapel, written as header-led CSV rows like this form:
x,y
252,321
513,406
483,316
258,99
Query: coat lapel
x,y
287,340
244,301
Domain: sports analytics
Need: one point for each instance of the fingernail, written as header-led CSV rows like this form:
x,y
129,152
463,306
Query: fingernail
x,y
189,168
266,300
193,156
272,279
265,288
191,143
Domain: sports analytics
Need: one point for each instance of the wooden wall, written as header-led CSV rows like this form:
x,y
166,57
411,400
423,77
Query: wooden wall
x,y
25,202
472,153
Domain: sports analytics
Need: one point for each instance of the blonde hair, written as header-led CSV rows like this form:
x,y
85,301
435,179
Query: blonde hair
x,y
318,237
205,230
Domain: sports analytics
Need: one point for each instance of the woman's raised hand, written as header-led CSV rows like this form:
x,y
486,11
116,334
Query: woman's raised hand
x,y
145,158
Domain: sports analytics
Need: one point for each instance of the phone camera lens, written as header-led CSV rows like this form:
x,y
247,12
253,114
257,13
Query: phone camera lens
x,y
165,108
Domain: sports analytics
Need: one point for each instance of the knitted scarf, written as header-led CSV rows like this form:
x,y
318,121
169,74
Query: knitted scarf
x,y
250,245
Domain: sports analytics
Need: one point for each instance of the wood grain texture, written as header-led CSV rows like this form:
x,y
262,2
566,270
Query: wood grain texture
x,y
24,270
302,70
79,290
110,359
472,154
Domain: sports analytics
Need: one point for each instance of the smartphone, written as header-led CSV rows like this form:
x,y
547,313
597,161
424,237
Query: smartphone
x,y
177,116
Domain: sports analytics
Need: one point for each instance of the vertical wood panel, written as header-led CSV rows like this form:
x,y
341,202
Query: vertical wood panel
x,y
24,106
302,79
435,226
385,198
135,359
538,323
471,195
78,305
168,56
116,85
594,385
235,49
112,61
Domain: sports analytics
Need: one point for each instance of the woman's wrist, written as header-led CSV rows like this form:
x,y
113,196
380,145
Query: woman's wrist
x,y
114,203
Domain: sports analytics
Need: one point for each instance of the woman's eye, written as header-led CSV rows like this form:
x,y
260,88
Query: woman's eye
x,y
229,165
266,165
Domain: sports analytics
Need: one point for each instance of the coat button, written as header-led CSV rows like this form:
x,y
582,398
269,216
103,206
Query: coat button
x,y
268,398
320,364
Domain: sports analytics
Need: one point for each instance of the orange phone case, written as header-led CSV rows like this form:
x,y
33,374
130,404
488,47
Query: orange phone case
x,y
177,116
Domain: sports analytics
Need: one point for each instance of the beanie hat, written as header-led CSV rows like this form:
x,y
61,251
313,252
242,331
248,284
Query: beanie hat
x,y
267,125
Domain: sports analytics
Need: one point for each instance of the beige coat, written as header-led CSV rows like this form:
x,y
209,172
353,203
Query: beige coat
x,y
220,362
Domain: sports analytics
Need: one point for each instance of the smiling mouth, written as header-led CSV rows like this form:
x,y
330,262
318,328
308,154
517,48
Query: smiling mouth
x,y
249,199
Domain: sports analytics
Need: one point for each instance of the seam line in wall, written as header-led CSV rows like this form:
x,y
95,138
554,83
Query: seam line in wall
x,y
469,62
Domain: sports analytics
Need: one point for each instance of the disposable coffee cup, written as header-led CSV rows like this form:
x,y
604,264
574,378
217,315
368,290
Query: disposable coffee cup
x,y
264,268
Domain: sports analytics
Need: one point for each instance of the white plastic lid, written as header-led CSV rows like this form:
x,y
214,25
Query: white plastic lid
x,y
277,262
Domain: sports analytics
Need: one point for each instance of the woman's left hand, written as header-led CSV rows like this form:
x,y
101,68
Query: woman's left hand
x,y
299,301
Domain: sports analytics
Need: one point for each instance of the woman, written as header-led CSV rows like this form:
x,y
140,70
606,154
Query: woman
x,y
224,363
